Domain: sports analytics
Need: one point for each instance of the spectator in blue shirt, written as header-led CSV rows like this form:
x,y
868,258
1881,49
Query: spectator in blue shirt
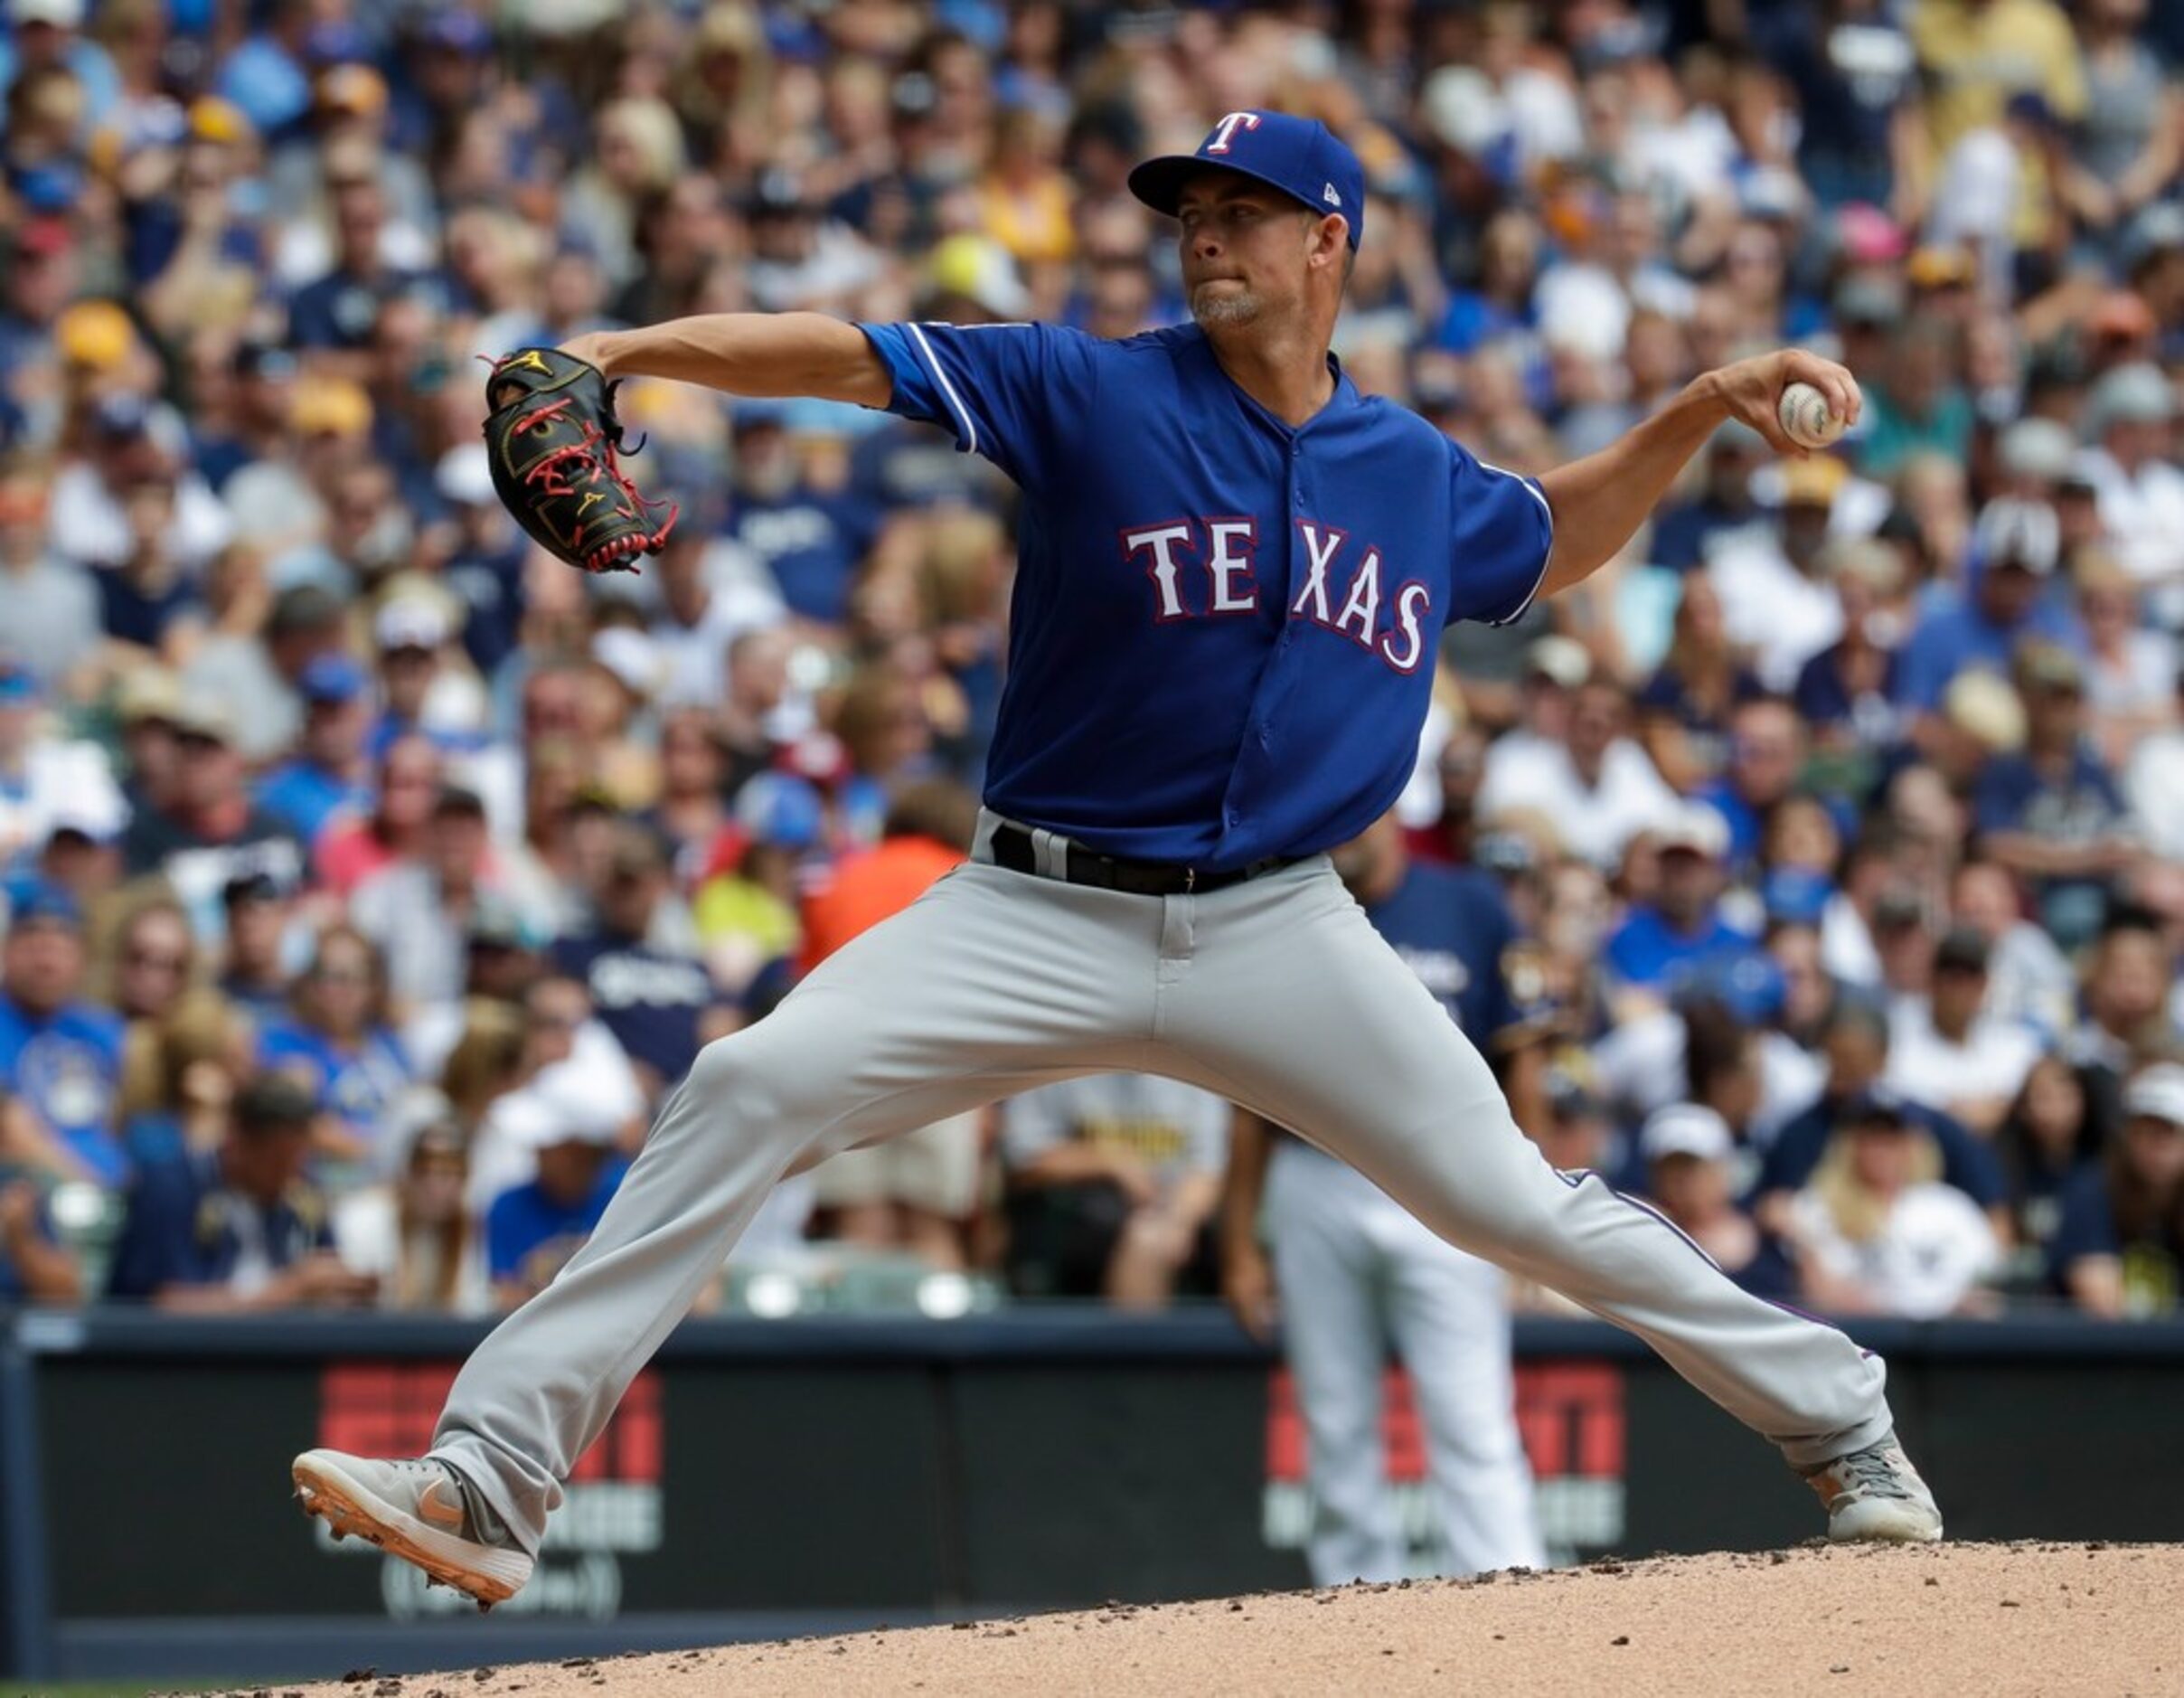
x,y
34,1267
653,1001
1685,530
329,773
59,1056
1668,940
338,313
337,1045
2018,544
2053,815
533,1228
1766,757
236,1228
2118,1248
812,540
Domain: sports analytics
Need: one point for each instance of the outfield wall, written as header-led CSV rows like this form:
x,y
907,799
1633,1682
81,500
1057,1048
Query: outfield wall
x,y
773,1477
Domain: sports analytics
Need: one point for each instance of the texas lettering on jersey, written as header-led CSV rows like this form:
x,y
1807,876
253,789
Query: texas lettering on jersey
x,y
1344,590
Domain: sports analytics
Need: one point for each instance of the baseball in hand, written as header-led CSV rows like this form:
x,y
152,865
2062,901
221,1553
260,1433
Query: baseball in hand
x,y
1806,418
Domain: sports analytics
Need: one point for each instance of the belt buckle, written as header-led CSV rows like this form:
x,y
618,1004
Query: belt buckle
x,y
1190,879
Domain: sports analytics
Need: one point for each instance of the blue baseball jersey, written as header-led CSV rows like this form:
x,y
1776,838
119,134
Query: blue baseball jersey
x,y
67,1066
1223,627
1452,927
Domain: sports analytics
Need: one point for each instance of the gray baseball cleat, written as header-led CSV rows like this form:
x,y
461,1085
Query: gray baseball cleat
x,y
415,1510
1875,1496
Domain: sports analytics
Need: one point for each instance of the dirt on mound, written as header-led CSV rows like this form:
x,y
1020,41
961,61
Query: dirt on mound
x,y
2017,1618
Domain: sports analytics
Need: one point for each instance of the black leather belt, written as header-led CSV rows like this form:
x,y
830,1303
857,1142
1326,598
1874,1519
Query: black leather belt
x,y
1013,849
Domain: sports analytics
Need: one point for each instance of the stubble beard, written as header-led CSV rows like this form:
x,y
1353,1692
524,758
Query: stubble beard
x,y
1213,311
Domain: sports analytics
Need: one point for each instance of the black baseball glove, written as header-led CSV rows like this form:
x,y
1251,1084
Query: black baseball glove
x,y
553,437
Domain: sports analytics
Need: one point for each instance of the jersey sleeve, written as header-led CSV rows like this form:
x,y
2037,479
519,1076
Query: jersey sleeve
x,y
1016,394
1502,535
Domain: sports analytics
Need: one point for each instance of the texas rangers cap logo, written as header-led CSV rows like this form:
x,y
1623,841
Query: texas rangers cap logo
x,y
1301,156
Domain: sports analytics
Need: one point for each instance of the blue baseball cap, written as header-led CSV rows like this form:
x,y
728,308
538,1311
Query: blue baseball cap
x,y
332,678
33,901
1301,156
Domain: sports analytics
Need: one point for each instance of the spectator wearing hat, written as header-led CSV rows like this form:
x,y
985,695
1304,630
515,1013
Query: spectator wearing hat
x,y
810,540
59,1054
253,972
1853,1041
1876,1232
1777,604
45,779
238,1227
746,905
1689,1154
1946,1050
1665,940
255,665
2006,602
2130,417
2117,1251
337,1041
533,1228
53,608
2053,815
47,36
658,1002
420,696
567,1064
43,277
328,775
210,831
134,444
486,549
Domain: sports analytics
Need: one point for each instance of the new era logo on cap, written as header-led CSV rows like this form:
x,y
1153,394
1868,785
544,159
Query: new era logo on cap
x,y
1300,156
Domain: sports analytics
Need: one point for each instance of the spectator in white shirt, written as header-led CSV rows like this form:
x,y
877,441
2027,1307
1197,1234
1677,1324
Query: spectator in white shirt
x,y
2138,491
1598,788
1876,1232
1944,1048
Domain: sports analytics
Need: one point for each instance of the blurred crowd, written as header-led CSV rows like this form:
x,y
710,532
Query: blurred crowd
x,y
371,875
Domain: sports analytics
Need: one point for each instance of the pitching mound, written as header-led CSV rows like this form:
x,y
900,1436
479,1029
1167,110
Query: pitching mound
x,y
2019,1618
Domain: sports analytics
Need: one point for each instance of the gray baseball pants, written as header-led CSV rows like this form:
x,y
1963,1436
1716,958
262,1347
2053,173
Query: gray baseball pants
x,y
1276,993
1356,1271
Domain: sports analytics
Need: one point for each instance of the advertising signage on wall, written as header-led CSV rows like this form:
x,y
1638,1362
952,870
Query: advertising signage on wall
x,y
614,1506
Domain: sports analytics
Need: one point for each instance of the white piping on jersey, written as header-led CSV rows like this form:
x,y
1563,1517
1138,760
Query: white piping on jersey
x,y
963,413
1533,490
